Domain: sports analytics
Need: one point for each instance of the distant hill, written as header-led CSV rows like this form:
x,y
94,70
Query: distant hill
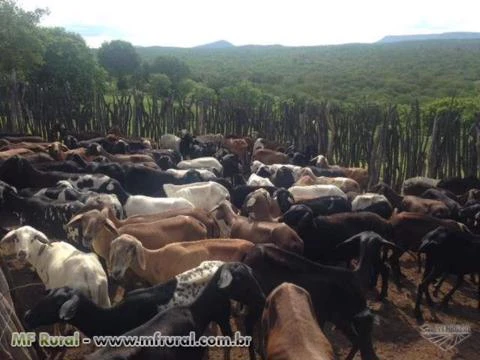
x,y
221,44
420,37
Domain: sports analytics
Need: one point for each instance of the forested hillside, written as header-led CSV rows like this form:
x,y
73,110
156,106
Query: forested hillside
x,y
397,72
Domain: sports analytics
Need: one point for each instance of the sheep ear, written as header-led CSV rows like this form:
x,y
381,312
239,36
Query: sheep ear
x,y
390,245
111,226
69,308
76,219
251,202
11,236
141,257
105,211
64,148
225,279
42,238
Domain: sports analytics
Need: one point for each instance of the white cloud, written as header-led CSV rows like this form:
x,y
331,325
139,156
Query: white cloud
x,y
300,22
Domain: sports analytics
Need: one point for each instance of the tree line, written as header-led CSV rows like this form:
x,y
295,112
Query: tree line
x,y
49,77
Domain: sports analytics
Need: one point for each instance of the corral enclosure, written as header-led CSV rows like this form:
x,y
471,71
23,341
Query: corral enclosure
x,y
398,110
404,109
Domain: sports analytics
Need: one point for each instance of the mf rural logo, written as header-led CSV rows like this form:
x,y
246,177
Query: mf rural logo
x,y
446,337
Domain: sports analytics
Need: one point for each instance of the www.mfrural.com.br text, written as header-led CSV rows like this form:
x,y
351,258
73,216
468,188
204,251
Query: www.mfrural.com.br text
x,y
44,339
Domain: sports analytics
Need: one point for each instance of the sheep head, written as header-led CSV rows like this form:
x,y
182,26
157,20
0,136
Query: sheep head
x,y
224,212
259,205
238,281
18,241
56,149
124,251
92,223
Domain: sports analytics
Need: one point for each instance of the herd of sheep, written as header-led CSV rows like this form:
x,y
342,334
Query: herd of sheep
x,y
132,237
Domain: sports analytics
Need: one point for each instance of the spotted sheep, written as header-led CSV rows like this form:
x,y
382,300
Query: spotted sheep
x,y
190,283
89,181
132,204
232,281
48,216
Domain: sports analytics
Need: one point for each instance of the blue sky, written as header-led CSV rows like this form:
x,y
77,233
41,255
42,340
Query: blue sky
x,y
188,23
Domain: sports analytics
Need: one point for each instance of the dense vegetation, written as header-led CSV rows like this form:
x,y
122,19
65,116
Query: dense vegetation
x,y
403,109
400,72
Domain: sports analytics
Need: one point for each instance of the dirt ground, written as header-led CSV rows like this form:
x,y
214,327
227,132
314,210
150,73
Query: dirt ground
x,y
397,336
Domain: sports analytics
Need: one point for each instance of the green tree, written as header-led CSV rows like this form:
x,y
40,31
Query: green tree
x,y
20,43
68,63
160,85
21,50
174,68
119,58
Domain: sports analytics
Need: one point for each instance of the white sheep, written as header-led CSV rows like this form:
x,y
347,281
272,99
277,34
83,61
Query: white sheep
x,y
207,162
366,200
169,141
315,191
203,195
59,263
255,180
144,205
204,173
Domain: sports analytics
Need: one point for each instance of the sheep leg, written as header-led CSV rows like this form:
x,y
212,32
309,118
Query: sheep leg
x,y
366,351
385,275
350,333
478,306
474,278
439,284
250,320
428,298
394,261
419,263
421,289
446,299
226,329
352,352
363,325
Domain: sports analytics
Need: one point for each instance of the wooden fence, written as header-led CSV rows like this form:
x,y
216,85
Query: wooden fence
x,y
393,142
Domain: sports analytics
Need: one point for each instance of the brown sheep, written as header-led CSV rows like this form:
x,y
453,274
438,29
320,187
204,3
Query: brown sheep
x,y
260,232
161,265
99,231
269,157
290,326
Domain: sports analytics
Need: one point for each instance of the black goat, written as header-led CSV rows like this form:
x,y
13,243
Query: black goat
x,y
436,194
322,234
141,180
336,292
447,252
458,185
326,205
46,216
367,246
